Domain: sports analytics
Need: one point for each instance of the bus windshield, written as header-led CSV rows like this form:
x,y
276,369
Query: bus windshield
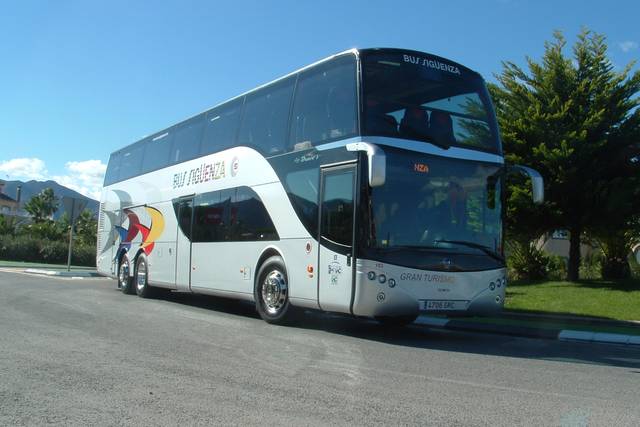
x,y
439,204
425,98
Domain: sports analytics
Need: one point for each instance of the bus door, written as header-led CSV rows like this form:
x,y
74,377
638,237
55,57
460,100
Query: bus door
x,y
184,213
336,233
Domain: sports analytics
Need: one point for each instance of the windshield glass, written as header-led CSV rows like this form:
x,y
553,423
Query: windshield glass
x,y
425,98
431,202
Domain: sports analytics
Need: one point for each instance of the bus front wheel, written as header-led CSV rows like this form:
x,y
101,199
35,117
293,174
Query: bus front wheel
x,y
272,292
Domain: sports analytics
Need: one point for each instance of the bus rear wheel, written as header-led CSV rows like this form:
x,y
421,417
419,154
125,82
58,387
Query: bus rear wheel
x,y
143,289
124,279
271,292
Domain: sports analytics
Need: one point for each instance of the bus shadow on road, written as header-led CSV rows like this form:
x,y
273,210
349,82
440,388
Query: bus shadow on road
x,y
487,344
428,338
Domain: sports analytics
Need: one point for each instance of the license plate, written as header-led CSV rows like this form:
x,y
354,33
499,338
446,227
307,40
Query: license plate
x,y
442,305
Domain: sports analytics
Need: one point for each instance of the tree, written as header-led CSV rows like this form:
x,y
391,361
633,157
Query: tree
x,y
8,225
42,206
571,118
86,228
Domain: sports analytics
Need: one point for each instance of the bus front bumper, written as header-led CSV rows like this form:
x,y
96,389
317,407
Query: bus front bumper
x,y
388,290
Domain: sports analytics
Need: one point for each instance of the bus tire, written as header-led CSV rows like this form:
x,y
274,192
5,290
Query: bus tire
x,y
271,292
141,278
125,283
397,321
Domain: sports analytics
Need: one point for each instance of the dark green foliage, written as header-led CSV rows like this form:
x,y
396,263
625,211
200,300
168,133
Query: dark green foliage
x,y
525,261
86,229
42,206
575,120
30,249
8,225
45,240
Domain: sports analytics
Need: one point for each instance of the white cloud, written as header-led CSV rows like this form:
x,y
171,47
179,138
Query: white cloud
x,y
85,177
24,168
628,45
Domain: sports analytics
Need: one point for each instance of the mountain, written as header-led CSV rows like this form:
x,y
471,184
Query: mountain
x,y
31,188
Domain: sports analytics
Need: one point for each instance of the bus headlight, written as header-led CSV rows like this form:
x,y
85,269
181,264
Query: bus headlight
x,y
382,278
371,275
492,286
392,283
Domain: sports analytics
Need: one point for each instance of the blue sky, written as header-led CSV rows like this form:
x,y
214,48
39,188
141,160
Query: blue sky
x,y
80,79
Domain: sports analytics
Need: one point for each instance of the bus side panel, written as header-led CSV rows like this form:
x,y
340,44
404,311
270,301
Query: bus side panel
x,y
162,256
232,266
224,266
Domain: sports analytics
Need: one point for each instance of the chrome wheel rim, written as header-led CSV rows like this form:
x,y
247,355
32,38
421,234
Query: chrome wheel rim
x,y
274,292
123,274
141,276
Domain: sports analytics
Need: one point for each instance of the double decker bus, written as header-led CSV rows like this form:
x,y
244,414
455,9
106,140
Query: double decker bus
x,y
369,183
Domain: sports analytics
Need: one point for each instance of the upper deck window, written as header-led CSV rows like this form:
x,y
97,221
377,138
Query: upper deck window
x,y
264,121
186,141
325,106
221,127
424,98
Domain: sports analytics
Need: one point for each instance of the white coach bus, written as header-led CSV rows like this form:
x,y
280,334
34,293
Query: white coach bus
x,y
368,183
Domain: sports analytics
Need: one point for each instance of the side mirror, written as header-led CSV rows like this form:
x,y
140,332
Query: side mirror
x,y
537,182
377,162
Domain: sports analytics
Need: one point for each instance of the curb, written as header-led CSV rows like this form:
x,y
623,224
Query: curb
x,y
67,274
529,332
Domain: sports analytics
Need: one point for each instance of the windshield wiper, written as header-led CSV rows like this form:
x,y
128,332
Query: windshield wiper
x,y
478,246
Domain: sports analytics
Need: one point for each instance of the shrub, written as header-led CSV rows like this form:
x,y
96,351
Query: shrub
x,y
31,249
591,266
556,267
525,261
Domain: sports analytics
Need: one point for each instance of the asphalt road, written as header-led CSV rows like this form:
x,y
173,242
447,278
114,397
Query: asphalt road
x,y
80,352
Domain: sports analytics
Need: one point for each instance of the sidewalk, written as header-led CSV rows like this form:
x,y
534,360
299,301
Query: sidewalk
x,y
58,270
548,326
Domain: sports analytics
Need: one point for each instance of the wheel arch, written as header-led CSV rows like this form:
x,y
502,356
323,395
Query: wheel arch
x,y
267,253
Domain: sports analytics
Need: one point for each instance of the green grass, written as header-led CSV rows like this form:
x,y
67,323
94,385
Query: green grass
x,y
24,265
595,298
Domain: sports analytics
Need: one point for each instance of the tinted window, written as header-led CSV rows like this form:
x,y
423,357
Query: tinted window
x,y
265,117
183,209
131,161
186,141
235,214
156,152
337,207
425,98
248,219
113,169
209,218
221,127
302,186
325,104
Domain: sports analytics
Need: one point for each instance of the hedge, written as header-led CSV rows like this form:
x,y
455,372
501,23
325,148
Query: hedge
x,y
30,249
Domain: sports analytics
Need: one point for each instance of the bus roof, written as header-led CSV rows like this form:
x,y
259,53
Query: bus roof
x,y
354,51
